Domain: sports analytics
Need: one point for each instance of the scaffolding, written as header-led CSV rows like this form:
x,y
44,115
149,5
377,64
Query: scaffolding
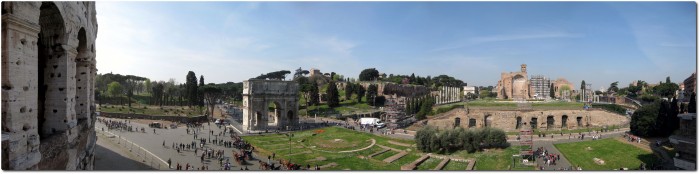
x,y
526,143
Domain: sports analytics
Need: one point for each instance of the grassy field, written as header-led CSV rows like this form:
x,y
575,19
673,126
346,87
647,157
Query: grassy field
x,y
152,110
455,165
429,164
306,147
346,107
615,154
497,104
557,105
491,104
492,159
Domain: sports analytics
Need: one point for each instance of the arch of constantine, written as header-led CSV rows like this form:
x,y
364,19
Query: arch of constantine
x,y
48,69
259,94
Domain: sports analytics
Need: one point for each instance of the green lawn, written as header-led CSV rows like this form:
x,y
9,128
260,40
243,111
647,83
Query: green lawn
x,y
346,107
557,105
385,155
455,165
615,154
495,159
491,104
429,164
303,153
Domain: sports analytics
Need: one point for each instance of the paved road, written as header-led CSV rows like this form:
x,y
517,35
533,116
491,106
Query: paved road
x,y
108,153
153,143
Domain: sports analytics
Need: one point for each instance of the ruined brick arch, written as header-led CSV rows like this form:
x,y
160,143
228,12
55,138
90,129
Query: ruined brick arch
x,y
519,87
472,123
533,122
564,121
518,122
550,121
488,120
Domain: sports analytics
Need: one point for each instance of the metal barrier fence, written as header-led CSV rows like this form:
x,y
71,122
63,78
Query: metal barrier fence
x,y
144,156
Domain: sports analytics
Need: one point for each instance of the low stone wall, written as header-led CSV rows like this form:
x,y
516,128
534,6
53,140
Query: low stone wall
x,y
414,164
155,117
544,119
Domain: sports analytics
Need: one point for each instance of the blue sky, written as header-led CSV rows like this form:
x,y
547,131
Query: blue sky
x,y
599,42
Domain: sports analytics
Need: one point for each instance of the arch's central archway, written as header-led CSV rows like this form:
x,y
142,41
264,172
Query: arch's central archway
x,y
270,98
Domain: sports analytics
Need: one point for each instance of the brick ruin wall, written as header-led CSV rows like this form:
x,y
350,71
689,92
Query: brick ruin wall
x,y
48,70
507,120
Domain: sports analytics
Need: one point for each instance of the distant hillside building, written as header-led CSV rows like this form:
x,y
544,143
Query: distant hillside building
x,y
514,85
689,85
563,88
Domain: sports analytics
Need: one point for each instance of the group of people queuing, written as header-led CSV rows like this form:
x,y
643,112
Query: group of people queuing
x,y
548,158
632,138
123,125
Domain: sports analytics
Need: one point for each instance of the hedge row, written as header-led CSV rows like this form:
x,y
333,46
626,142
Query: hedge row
x,y
430,139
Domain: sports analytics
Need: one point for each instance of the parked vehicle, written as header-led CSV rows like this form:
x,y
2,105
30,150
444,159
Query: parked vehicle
x,y
372,121
155,125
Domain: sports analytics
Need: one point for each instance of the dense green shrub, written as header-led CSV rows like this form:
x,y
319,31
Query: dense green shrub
x,y
430,139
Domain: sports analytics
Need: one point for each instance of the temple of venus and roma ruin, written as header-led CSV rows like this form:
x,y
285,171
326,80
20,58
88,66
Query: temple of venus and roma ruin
x,y
258,94
516,86
48,69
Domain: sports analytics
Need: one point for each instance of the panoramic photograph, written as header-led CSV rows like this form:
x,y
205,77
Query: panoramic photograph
x,y
359,86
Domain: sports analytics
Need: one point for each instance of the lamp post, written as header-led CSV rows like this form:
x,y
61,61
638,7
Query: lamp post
x,y
290,135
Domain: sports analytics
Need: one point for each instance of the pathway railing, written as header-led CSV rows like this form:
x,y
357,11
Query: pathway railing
x,y
143,155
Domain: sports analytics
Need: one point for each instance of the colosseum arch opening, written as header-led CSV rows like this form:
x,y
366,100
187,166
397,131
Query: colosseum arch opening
x,y
533,123
82,78
43,46
518,122
52,101
550,122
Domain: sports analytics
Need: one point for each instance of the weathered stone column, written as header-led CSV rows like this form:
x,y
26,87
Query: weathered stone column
x,y
20,87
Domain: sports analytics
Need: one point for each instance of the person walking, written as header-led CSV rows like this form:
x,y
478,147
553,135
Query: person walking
x,y
169,163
